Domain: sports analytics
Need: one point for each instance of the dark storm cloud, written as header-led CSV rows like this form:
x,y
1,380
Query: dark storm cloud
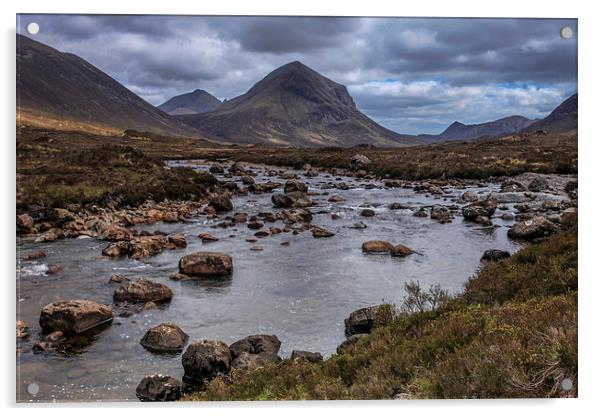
x,y
412,75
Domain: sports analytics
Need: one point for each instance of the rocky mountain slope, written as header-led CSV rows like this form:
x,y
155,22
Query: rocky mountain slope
x,y
61,90
197,101
562,119
295,106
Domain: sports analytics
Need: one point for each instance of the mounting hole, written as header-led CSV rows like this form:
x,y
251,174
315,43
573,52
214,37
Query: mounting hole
x,y
33,28
566,384
566,32
33,388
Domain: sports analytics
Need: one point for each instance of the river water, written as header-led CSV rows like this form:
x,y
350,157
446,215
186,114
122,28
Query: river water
x,y
301,292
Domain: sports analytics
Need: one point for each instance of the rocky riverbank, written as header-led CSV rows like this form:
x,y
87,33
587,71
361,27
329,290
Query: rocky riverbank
x,y
532,206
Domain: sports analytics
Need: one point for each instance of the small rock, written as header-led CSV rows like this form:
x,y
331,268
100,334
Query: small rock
x,y
177,239
117,278
165,337
256,247
399,250
312,357
221,203
22,330
364,320
34,255
441,214
358,225
494,255
178,276
54,268
207,238
377,246
282,200
142,290
319,232
295,186
159,388
531,229
206,264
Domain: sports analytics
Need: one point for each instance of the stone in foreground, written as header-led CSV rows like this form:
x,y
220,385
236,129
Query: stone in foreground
x,y
74,316
256,344
159,388
142,290
165,337
205,360
494,255
363,321
250,362
206,264
531,229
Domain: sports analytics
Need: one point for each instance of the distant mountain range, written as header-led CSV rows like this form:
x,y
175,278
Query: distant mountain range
x,y
492,129
295,106
195,102
292,106
61,90
562,119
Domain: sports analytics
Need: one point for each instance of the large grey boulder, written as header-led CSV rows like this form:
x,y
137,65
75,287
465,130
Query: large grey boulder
x,y
364,320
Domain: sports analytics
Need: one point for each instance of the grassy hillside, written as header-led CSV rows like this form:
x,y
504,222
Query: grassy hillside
x,y
511,333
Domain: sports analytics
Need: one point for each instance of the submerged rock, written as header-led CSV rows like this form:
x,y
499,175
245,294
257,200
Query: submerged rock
x,y
205,360
142,290
165,337
364,320
206,264
159,388
74,316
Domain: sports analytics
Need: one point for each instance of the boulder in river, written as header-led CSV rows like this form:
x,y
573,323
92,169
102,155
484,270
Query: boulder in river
x,y
312,357
236,168
142,290
206,237
205,360
538,184
358,161
399,250
206,264
367,213
531,229
483,208
282,200
159,388
248,180
319,232
216,168
294,185
377,246
364,320
221,202
441,214
165,337
494,255
177,240
256,344
74,316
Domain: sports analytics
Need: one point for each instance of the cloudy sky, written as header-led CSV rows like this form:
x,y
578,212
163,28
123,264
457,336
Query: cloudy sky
x,y
411,75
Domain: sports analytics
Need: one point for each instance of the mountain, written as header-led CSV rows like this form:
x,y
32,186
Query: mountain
x,y
197,101
63,91
295,106
562,119
492,129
